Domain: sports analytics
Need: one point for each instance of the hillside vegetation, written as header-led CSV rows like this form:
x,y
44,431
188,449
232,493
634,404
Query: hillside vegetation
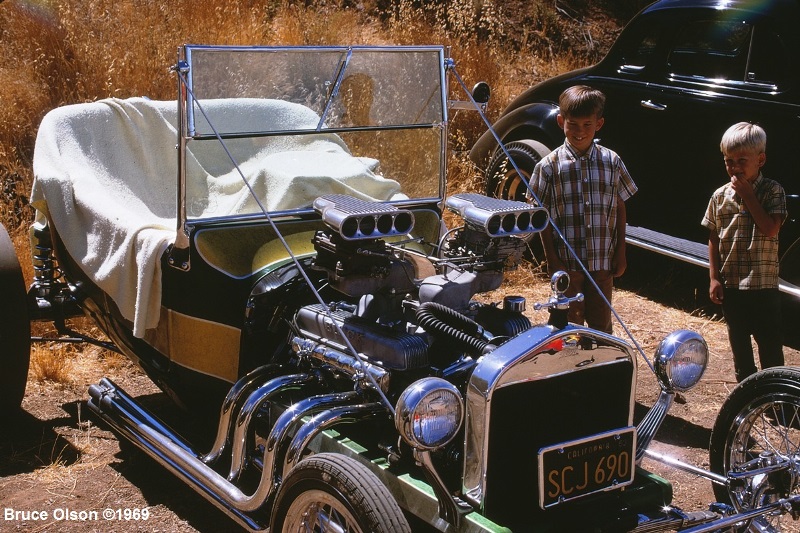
x,y
57,52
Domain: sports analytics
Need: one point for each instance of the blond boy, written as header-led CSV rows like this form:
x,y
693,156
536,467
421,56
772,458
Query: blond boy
x,y
744,217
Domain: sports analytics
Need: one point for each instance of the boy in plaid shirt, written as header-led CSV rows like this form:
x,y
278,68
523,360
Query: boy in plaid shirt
x,y
744,217
584,186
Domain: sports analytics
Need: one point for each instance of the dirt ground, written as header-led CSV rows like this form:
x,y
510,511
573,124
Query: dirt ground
x,y
54,459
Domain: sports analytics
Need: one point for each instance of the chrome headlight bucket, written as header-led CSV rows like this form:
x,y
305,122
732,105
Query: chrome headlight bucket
x,y
681,360
429,413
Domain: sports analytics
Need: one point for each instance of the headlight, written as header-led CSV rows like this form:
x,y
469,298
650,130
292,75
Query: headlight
x,y
429,413
681,359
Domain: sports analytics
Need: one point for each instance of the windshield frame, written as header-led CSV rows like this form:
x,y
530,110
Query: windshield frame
x,y
190,117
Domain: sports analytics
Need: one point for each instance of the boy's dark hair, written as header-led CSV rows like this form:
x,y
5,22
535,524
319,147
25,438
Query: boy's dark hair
x,y
582,101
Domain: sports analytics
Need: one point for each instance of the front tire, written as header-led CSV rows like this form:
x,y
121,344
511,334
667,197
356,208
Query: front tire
x,y
330,492
502,180
15,329
758,423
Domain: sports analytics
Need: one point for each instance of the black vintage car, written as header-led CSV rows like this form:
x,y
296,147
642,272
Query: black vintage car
x,y
680,73
286,277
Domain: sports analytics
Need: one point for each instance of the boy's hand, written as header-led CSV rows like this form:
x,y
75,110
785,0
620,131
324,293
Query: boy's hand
x,y
742,187
619,263
715,291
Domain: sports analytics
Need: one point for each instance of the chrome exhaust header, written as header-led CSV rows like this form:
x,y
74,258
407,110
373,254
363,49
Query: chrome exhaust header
x,y
118,410
284,446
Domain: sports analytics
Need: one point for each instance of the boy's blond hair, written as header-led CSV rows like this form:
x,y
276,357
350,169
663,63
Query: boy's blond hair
x,y
582,101
744,136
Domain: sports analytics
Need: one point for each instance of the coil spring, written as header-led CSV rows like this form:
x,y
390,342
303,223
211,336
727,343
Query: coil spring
x,y
45,268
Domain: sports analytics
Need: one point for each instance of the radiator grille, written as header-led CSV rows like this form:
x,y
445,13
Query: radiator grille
x,y
528,416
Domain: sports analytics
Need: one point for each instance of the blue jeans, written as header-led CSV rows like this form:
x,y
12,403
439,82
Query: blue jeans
x,y
754,313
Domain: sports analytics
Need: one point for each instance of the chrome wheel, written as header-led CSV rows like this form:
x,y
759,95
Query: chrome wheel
x,y
318,511
756,443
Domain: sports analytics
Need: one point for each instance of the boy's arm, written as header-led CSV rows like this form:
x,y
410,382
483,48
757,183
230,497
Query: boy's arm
x,y
538,182
715,290
768,224
554,264
620,261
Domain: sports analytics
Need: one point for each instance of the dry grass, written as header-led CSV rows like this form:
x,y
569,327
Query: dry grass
x,y
57,52
52,362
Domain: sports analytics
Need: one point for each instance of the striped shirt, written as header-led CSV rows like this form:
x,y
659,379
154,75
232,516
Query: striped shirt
x,y
581,194
748,258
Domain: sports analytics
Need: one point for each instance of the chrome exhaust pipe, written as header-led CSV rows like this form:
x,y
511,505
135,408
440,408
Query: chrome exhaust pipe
x,y
155,438
278,436
120,411
262,395
232,403
345,414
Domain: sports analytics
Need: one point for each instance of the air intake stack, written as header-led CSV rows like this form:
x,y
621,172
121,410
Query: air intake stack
x,y
352,251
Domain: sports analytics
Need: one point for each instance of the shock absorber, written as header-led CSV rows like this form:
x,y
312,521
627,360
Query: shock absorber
x,y
53,296
45,270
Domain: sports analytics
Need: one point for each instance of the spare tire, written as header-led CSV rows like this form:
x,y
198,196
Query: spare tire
x,y
503,180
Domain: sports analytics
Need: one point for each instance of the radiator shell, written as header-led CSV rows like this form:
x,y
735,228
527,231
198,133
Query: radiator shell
x,y
543,387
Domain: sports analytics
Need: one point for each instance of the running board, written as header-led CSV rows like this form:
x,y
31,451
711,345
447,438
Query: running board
x,y
695,253
685,250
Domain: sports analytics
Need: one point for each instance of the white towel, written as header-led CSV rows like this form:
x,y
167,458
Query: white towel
x,y
105,176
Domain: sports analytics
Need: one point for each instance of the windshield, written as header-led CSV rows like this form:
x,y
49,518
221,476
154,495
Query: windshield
x,y
306,121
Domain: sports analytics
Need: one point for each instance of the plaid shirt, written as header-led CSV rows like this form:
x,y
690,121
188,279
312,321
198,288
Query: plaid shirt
x,y
748,258
581,194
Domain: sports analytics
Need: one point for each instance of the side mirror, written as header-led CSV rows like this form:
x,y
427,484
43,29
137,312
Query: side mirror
x,y
481,92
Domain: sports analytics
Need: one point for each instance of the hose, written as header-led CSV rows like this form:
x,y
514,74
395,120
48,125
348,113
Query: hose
x,y
439,320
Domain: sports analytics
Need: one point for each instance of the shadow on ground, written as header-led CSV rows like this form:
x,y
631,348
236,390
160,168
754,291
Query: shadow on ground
x,y
677,431
29,443
668,281
685,286
158,486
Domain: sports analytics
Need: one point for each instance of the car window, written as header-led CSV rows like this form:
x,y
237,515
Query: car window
x,y
768,63
637,48
713,49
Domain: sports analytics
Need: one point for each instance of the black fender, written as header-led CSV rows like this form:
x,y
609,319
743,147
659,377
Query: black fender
x,y
790,300
534,121
790,231
15,328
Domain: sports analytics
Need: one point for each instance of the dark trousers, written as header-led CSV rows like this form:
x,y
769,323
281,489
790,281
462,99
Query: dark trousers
x,y
754,313
593,309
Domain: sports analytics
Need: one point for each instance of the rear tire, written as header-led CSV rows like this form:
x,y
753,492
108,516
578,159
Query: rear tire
x,y
332,492
15,329
503,180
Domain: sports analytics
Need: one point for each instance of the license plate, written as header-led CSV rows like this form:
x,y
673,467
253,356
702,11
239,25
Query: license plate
x,y
573,469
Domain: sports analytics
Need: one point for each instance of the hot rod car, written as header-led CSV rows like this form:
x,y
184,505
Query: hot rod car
x,y
298,288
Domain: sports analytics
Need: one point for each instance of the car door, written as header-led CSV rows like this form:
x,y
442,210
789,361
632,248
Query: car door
x,y
707,70
722,70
